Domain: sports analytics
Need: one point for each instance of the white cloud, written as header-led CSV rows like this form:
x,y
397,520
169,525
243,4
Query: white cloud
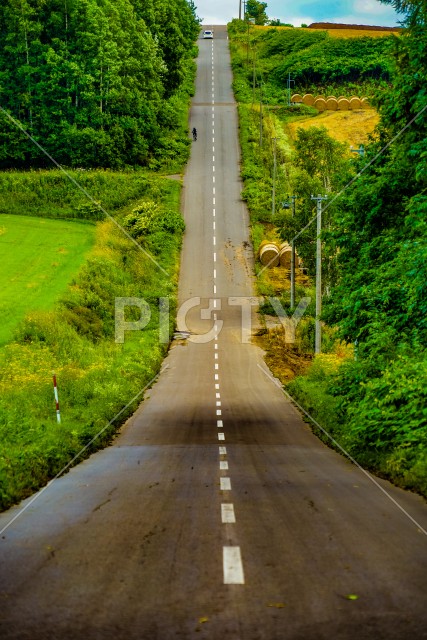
x,y
219,12
297,21
348,12
370,7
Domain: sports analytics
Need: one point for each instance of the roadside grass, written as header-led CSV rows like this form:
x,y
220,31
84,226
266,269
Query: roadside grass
x,y
96,377
39,258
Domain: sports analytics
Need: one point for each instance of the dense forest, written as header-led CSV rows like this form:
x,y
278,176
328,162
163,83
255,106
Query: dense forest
x,y
95,82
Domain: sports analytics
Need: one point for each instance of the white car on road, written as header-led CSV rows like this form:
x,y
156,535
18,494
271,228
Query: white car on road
x,y
208,34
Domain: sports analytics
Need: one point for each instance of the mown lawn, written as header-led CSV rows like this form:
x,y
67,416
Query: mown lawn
x,y
39,257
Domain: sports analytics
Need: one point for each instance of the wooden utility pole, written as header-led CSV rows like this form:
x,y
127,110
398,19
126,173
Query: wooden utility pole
x,y
318,328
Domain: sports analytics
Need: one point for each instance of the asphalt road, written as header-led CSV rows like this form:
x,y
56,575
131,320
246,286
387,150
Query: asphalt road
x,y
216,513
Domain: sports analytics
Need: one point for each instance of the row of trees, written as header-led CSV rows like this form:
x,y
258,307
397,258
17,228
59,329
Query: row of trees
x,y
94,81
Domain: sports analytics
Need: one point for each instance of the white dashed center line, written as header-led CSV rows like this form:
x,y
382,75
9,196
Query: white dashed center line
x,y
227,513
225,484
232,559
232,565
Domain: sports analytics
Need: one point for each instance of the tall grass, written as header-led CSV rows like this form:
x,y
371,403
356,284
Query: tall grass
x,y
51,193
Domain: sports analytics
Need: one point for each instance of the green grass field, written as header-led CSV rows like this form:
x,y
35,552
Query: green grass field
x,y
39,257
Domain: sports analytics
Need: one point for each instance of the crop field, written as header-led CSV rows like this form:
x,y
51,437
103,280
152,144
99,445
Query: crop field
x,y
359,33
352,127
342,32
39,257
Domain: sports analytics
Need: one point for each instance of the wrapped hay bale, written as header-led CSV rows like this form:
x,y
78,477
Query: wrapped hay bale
x,y
332,104
343,104
320,104
364,103
296,98
285,255
308,98
269,254
355,103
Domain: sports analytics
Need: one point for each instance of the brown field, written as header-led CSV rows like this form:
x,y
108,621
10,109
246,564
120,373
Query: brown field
x,y
352,127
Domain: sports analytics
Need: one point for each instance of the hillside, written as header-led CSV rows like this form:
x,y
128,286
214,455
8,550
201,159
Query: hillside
x,y
367,386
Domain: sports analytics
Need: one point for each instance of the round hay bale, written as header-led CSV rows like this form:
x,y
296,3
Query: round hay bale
x,y
296,97
308,98
320,104
355,103
332,104
329,97
269,255
285,255
365,103
319,97
341,97
343,104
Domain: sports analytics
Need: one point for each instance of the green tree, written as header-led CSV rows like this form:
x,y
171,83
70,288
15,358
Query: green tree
x,y
256,10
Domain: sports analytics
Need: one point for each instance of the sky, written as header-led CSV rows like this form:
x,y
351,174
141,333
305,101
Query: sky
x,y
304,11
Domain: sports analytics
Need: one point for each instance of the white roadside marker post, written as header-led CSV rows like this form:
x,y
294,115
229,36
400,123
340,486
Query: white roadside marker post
x,y
55,391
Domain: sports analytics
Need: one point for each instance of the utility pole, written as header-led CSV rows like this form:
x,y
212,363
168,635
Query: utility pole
x,y
240,9
288,82
253,79
318,330
293,198
260,116
273,198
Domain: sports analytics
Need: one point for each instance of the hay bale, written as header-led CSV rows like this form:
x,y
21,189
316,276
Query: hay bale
x,y
343,104
332,104
269,254
355,103
285,255
296,98
320,104
329,97
308,98
319,98
365,103
341,97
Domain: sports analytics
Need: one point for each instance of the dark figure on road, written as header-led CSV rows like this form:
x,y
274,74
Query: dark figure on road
x,y
194,132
